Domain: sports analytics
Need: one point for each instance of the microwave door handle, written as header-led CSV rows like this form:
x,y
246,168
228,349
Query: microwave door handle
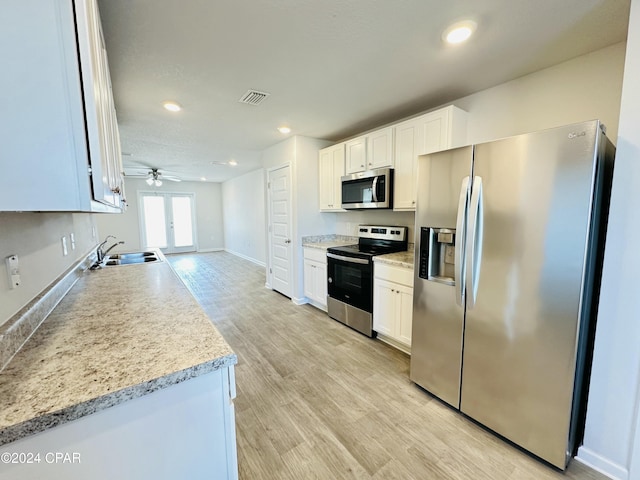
x,y
374,188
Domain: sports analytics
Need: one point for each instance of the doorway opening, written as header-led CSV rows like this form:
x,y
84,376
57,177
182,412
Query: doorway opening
x,y
167,221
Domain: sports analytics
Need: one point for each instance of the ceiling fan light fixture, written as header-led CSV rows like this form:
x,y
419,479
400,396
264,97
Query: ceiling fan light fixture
x,y
158,183
172,106
459,32
149,181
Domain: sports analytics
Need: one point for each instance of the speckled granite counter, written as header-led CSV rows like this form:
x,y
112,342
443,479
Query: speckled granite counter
x,y
322,242
399,259
120,333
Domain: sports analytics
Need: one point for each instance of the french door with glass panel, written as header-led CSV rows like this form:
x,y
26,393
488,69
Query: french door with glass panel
x,y
167,221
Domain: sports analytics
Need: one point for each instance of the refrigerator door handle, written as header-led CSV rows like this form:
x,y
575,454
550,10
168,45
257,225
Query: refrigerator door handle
x,y
474,242
461,233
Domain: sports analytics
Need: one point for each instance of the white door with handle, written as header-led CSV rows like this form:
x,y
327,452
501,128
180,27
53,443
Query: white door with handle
x,y
280,248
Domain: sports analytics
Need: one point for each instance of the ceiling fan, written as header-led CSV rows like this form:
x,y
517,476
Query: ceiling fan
x,y
154,177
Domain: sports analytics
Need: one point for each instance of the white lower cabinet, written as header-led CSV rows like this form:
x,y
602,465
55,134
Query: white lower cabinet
x,y
186,430
315,277
393,305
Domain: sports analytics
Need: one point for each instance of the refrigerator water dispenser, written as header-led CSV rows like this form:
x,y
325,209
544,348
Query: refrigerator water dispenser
x,y
437,254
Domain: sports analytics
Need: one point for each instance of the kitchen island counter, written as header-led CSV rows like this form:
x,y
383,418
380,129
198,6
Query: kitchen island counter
x,y
120,333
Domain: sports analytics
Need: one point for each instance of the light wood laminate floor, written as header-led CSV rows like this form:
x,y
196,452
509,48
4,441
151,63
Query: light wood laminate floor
x,y
317,400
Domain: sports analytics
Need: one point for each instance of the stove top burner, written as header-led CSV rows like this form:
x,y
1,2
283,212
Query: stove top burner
x,y
374,240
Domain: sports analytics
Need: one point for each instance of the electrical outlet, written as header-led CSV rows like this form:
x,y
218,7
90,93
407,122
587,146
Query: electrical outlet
x,y
65,252
72,238
13,269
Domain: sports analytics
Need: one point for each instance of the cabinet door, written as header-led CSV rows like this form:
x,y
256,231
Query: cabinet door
x,y
331,165
384,307
356,155
435,129
408,141
380,149
321,283
102,128
327,184
315,281
405,314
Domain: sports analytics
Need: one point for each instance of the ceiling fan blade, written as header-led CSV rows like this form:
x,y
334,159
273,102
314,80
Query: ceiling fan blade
x,y
170,178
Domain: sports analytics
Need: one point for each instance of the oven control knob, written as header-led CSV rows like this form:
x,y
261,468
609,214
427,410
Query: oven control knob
x,y
330,280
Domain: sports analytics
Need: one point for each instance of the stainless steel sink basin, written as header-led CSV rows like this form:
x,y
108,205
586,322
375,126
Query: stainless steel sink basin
x,y
127,256
131,258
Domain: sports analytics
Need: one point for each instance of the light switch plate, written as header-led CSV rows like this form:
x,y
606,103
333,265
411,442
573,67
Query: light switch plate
x,y
65,252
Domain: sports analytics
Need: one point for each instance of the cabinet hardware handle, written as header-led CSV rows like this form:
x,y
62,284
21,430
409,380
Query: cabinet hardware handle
x,y
116,190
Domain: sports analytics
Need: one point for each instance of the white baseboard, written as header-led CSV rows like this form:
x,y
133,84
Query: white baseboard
x,y
601,464
299,301
252,260
394,343
208,250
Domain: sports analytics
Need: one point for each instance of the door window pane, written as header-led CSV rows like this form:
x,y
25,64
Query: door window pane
x,y
182,227
155,230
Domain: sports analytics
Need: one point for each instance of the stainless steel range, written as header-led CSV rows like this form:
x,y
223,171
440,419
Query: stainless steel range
x,y
350,274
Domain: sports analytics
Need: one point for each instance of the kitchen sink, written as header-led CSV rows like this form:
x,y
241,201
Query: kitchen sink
x,y
134,255
131,258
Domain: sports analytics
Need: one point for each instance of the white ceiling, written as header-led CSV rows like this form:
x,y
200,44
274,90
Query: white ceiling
x,y
334,68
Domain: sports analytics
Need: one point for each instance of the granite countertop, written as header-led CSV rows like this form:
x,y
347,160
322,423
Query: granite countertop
x,y
398,259
120,333
322,242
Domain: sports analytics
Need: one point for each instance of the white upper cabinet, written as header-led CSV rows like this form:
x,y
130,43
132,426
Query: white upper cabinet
x,y
356,155
331,164
428,133
370,151
60,144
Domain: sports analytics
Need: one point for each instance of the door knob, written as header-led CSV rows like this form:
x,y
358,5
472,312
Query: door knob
x,y
287,241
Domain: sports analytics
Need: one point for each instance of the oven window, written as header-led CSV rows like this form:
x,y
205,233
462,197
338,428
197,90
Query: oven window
x,y
349,278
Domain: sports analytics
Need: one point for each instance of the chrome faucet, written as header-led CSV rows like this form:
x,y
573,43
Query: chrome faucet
x,y
99,252
112,247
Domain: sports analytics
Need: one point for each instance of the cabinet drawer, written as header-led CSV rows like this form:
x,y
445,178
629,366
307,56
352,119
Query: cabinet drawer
x,y
316,254
403,276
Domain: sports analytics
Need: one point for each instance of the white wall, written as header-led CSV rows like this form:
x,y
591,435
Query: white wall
x,y
244,216
209,224
584,88
36,239
614,399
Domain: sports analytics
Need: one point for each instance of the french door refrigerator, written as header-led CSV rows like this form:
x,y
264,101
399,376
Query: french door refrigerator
x,y
509,241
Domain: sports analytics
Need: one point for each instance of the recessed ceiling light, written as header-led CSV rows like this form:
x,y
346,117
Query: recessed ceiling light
x,y
172,106
233,163
459,32
284,129
204,179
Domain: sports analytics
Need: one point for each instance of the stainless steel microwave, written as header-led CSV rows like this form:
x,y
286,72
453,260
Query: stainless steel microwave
x,y
370,189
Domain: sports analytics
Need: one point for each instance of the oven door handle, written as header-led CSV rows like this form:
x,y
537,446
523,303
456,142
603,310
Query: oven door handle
x,y
361,261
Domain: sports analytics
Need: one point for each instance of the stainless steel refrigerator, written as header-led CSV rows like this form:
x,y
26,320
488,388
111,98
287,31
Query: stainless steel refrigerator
x,y
509,241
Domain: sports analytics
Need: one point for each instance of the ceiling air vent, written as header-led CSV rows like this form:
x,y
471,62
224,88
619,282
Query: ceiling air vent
x,y
253,97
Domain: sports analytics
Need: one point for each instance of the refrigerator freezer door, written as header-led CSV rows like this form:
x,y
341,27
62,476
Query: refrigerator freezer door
x,y
436,350
521,336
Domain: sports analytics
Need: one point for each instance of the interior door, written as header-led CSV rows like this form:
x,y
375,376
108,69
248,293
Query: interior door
x,y
168,222
280,255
